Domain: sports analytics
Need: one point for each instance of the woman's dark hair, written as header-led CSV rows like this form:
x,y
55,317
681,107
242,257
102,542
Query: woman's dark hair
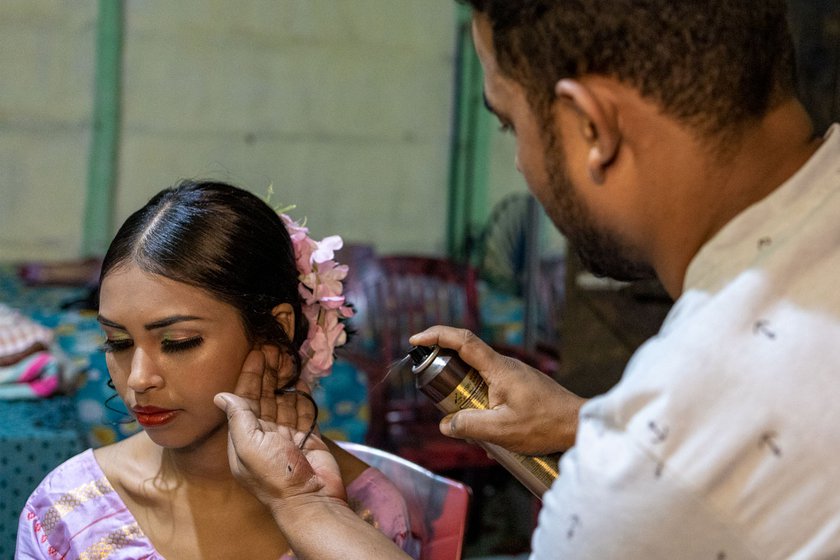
x,y
713,64
224,240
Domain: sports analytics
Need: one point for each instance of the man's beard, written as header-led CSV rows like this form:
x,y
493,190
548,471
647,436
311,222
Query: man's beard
x,y
600,251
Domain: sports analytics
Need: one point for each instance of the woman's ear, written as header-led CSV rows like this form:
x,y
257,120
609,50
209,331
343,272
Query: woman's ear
x,y
285,315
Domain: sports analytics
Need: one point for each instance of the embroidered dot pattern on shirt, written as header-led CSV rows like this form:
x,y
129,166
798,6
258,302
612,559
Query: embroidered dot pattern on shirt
x,y
769,441
574,523
660,434
762,327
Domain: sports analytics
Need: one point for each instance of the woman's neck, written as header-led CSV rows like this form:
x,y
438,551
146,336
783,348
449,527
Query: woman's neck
x,y
186,500
202,466
203,462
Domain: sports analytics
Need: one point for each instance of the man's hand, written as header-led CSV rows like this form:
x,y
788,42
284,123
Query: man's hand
x,y
265,431
295,476
529,412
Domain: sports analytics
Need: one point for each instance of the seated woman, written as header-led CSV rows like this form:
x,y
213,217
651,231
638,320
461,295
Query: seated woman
x,y
197,286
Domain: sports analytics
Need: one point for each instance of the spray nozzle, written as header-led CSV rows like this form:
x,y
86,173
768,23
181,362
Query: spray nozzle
x,y
418,354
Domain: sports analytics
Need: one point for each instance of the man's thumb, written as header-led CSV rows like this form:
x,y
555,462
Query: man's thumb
x,y
231,404
241,420
223,401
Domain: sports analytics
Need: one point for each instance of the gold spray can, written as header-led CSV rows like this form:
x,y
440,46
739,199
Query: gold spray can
x,y
453,385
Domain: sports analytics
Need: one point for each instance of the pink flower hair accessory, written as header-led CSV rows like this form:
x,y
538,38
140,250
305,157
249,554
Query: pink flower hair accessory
x,y
321,288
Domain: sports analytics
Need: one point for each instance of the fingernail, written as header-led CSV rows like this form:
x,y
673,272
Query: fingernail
x,y
221,401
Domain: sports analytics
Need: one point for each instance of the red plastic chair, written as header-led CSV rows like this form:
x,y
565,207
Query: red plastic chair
x,y
437,505
402,295
399,295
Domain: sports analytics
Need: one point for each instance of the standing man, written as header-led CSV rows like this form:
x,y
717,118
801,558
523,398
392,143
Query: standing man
x,y
662,137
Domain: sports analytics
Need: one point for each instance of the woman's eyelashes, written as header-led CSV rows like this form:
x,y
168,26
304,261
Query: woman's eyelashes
x,y
167,345
180,345
115,345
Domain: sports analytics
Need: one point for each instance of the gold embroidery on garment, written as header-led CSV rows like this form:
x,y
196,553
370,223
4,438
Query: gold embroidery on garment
x,y
363,512
112,542
73,499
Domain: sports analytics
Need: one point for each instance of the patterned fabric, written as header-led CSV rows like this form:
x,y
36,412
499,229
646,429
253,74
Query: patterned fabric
x,y
76,514
19,334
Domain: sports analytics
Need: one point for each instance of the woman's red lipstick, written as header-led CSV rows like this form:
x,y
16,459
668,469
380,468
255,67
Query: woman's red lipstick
x,y
152,416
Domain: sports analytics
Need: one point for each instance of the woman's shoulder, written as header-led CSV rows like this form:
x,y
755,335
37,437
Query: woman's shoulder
x,y
378,501
372,491
68,475
72,507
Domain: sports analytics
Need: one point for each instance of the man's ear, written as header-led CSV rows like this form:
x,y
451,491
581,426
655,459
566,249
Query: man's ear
x,y
285,315
598,124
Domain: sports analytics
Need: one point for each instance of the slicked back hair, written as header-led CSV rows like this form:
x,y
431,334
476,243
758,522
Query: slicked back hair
x,y
225,241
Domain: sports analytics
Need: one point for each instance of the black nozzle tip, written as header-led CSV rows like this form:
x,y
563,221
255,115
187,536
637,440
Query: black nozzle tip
x,y
419,353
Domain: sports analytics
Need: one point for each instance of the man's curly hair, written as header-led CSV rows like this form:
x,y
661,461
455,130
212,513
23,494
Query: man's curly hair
x,y
714,65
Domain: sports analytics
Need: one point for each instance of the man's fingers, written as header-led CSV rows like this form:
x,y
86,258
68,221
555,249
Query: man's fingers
x,y
305,408
250,381
286,409
472,424
271,366
472,349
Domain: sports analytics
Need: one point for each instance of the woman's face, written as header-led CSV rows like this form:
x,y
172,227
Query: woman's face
x,y
170,348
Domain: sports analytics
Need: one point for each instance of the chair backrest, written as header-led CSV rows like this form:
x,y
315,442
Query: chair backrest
x,y
437,506
413,292
402,295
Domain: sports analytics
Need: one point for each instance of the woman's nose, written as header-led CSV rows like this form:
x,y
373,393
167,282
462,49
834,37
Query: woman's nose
x,y
144,375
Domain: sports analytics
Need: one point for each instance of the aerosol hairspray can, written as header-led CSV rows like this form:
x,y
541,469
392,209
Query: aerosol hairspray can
x,y
453,385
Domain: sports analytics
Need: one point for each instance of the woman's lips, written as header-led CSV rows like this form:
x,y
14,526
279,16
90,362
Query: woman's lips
x,y
151,416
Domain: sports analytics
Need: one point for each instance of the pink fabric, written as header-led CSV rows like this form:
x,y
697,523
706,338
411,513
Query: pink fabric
x,y
44,387
37,375
375,498
75,512
33,369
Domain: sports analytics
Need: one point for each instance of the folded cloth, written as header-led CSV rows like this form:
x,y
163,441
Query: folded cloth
x,y
15,358
36,376
19,333
76,272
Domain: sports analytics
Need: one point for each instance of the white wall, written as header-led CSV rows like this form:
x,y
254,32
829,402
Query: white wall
x,y
46,60
343,105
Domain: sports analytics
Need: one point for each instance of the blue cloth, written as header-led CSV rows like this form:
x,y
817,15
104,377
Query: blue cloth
x,y
35,436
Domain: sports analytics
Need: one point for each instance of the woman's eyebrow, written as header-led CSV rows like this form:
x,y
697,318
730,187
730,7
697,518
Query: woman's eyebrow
x,y
169,321
109,323
150,326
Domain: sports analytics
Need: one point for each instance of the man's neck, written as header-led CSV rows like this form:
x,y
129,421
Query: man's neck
x,y
715,188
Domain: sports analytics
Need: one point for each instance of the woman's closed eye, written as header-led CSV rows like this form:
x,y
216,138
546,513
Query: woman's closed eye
x,y
182,344
116,344
167,344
